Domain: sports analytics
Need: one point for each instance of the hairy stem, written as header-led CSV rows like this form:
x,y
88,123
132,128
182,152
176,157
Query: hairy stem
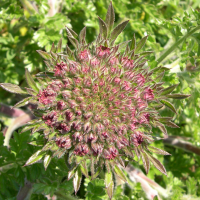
x,y
175,45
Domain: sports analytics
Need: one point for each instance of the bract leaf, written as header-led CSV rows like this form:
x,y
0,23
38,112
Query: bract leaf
x,y
77,180
71,173
145,161
30,81
117,30
157,150
110,17
103,28
178,96
162,128
59,47
146,53
157,164
133,43
140,44
47,160
169,105
71,33
23,102
171,124
35,157
97,172
119,173
82,35
164,119
53,48
73,41
83,168
44,54
167,90
109,184
12,88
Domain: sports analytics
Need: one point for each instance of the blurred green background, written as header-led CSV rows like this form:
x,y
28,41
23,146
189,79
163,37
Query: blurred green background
x,y
27,26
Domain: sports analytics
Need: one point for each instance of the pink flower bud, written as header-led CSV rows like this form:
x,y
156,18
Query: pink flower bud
x,y
137,138
103,51
84,55
148,94
81,150
77,136
61,105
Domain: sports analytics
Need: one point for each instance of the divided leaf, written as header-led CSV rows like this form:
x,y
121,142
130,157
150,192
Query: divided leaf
x,y
77,180
145,161
59,47
157,164
13,88
140,44
110,17
35,157
44,54
109,184
167,90
169,105
178,96
157,150
30,81
82,36
133,43
103,28
47,160
117,30
23,102
119,173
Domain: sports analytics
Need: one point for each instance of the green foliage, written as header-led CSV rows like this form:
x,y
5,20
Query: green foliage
x,y
26,28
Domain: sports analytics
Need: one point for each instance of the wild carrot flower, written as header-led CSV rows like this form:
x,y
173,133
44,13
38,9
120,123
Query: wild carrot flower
x,y
97,104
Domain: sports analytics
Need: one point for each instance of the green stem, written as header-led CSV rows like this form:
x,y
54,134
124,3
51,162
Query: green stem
x,y
175,45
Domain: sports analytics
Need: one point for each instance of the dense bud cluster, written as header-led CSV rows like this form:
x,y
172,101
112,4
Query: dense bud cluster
x,y
98,102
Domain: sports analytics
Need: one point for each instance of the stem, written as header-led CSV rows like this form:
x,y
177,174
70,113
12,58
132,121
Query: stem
x,y
175,45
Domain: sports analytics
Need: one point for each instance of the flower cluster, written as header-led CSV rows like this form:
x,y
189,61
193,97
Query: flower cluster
x,y
99,103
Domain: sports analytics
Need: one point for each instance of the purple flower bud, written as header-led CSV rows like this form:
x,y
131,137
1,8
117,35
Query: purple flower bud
x,y
103,51
137,138
64,142
140,80
81,150
84,55
60,69
87,127
148,94
97,149
61,105
77,136
47,96
50,118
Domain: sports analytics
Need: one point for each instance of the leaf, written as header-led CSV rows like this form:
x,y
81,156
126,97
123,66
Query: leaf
x,y
158,151
140,44
47,160
97,172
178,96
35,157
133,43
71,33
12,88
145,161
119,173
103,28
53,48
30,81
82,35
23,102
122,45
162,128
110,17
44,54
117,30
59,47
77,180
169,105
157,164
73,41
146,53
167,90
71,173
171,124
83,168
164,119
109,184
160,76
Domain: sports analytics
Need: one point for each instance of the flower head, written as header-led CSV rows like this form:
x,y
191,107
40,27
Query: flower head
x,y
99,104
